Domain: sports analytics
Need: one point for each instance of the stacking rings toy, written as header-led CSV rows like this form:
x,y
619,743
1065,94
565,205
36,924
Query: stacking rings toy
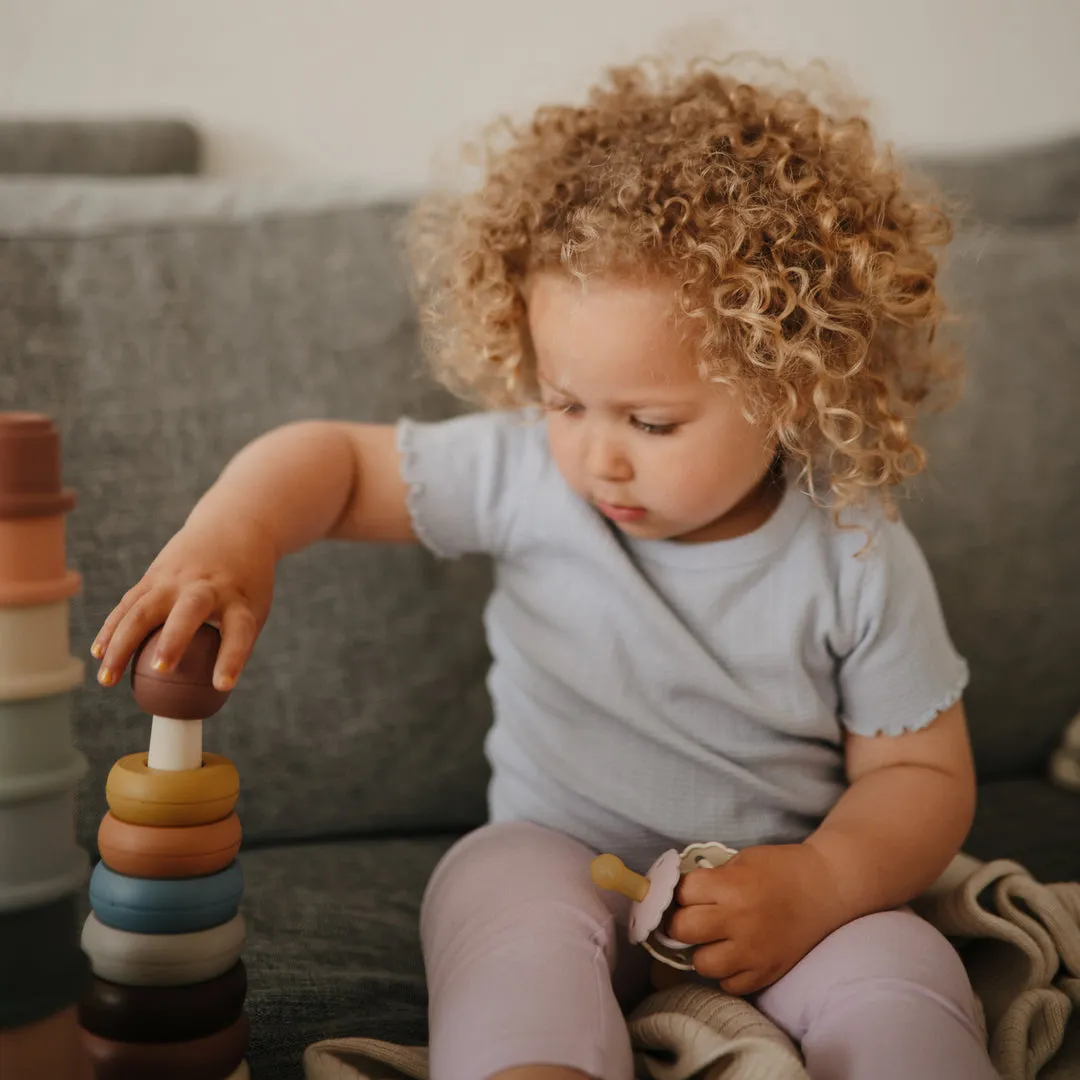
x,y
144,796
164,1013
120,956
146,851
165,905
213,1057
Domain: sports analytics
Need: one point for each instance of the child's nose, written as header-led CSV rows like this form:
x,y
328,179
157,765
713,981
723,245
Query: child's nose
x,y
607,459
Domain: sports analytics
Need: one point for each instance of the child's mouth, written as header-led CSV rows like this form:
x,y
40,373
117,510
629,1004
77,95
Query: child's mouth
x,y
620,513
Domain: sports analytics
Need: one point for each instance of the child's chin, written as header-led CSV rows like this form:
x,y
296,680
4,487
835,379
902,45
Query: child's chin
x,y
645,529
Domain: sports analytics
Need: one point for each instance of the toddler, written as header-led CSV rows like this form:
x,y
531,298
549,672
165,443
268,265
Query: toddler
x,y
698,315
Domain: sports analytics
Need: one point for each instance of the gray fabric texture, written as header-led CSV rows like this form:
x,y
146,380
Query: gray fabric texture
x,y
1031,185
116,147
333,946
81,207
1031,822
998,512
650,694
160,352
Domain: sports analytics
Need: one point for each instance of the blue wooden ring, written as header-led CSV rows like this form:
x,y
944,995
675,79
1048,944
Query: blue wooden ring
x,y
165,905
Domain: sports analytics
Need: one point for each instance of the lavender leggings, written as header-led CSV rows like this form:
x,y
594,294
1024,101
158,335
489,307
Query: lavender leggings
x,y
525,966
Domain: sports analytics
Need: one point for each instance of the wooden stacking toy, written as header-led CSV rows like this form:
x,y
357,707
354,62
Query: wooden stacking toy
x,y
42,869
165,934
43,972
653,894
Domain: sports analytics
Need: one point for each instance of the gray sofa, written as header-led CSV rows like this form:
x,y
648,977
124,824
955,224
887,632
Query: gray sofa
x,y
165,321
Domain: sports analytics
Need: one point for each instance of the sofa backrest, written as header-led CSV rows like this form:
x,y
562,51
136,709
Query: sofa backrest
x,y
160,346
105,147
164,324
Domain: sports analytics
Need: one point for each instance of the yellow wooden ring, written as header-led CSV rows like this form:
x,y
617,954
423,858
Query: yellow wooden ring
x,y
144,796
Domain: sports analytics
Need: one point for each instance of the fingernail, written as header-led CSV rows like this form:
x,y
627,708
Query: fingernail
x,y
225,682
96,651
105,676
159,664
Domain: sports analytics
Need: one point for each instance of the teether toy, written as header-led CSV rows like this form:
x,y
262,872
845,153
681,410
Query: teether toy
x,y
653,893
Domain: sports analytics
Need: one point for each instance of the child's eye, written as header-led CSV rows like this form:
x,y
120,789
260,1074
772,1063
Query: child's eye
x,y
653,429
567,408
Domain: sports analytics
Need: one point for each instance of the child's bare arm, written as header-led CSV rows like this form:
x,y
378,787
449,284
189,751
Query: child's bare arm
x,y
889,836
905,815
287,489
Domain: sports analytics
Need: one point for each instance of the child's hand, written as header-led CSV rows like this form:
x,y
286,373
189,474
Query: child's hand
x,y
222,575
757,916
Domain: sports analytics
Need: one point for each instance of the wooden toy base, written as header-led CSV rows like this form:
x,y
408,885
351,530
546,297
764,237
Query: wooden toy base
x,y
210,1058
164,1013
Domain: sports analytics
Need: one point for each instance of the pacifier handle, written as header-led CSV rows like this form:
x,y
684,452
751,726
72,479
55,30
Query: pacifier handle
x,y
610,872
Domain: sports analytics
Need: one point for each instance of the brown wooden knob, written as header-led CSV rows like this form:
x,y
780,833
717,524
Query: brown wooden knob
x,y
187,692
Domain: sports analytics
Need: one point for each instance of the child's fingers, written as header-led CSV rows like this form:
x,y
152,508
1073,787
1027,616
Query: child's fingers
x,y
238,632
719,960
703,886
194,605
696,924
148,612
114,618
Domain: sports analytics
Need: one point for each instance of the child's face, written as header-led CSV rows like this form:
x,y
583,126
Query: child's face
x,y
633,427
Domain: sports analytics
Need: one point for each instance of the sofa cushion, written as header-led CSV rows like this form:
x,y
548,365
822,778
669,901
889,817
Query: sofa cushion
x,y
1030,185
99,147
998,513
1032,822
161,346
333,945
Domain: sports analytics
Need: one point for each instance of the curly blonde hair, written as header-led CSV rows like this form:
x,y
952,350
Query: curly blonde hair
x,y
801,257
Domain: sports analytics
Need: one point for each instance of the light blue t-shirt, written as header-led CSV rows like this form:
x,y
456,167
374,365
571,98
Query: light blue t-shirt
x,y
651,694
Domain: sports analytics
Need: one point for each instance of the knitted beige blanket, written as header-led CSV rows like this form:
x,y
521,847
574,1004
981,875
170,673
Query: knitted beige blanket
x,y
1020,941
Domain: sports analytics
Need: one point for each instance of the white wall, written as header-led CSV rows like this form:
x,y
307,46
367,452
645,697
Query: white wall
x,y
372,89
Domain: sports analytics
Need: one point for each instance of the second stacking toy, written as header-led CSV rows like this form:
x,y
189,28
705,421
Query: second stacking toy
x,y
165,933
42,869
